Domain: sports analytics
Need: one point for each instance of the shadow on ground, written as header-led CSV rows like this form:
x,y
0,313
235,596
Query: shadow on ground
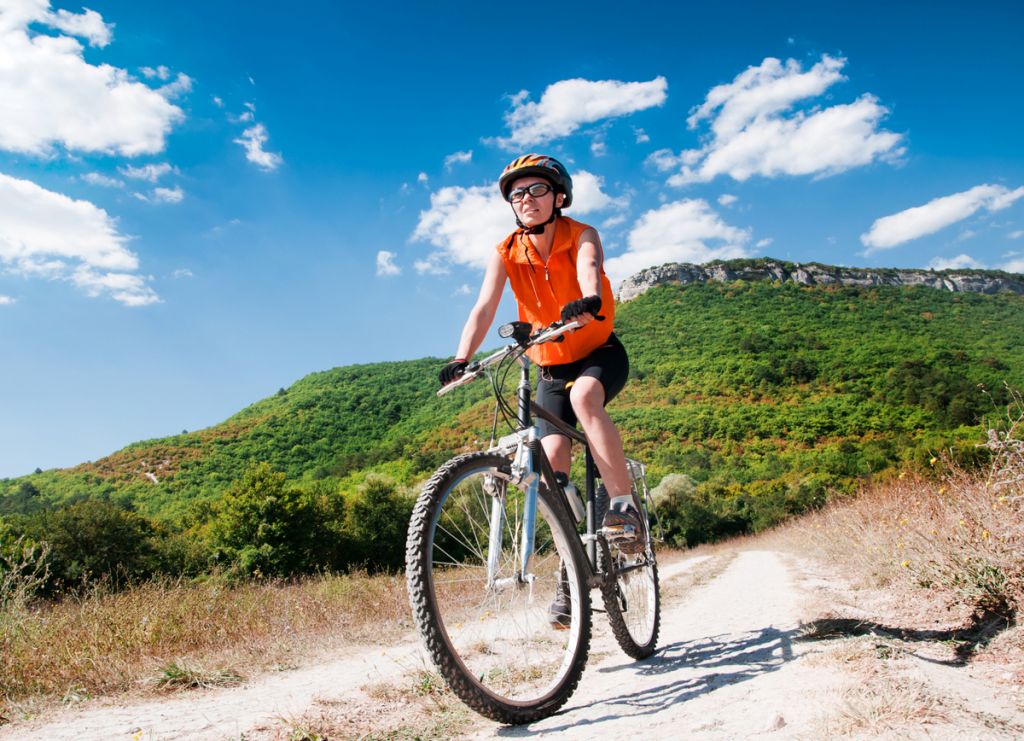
x,y
690,669
965,640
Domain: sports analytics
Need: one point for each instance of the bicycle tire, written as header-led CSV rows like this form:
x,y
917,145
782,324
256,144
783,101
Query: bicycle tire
x,y
632,601
494,646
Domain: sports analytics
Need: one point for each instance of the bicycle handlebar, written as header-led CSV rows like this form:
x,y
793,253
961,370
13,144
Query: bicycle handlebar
x,y
475,369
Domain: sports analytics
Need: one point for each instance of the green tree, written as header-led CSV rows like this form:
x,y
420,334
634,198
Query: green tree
x,y
263,527
377,522
92,540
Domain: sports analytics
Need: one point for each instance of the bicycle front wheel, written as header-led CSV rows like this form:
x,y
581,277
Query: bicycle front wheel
x,y
489,633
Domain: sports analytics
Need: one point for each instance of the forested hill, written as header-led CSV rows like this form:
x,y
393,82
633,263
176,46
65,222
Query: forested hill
x,y
767,395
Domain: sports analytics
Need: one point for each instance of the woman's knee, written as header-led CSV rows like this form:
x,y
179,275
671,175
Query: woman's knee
x,y
587,397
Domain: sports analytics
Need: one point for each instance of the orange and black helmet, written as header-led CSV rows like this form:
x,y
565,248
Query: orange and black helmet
x,y
542,166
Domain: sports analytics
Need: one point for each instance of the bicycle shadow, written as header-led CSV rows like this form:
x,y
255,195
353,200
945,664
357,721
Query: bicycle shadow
x,y
738,657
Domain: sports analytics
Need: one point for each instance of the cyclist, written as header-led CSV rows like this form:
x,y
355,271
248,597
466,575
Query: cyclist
x,y
555,266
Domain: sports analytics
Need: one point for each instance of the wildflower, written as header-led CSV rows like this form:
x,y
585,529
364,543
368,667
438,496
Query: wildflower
x,y
904,521
932,461
985,534
901,546
905,564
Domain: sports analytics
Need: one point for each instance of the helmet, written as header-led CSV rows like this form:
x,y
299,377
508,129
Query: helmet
x,y
542,166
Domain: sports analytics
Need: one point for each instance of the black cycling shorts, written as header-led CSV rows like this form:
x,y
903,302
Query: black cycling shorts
x,y
609,364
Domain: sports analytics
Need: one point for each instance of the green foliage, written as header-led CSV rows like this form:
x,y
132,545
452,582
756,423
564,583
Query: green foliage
x,y
377,522
263,527
769,398
90,541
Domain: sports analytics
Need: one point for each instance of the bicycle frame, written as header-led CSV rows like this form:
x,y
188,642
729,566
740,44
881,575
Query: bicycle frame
x,y
530,465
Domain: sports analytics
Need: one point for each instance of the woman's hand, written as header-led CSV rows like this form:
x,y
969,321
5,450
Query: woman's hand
x,y
452,371
582,310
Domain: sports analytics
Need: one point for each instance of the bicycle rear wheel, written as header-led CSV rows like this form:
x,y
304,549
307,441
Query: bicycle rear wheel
x,y
493,643
632,600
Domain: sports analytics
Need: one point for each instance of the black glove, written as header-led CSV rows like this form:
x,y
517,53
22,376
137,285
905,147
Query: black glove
x,y
589,305
452,371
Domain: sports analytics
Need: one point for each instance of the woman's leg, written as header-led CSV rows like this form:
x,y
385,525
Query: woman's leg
x,y
587,397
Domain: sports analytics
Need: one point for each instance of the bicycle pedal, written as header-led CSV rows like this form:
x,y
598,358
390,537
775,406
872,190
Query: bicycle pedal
x,y
618,532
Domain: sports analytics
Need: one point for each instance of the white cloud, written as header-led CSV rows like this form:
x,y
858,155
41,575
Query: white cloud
x,y
755,131
613,221
162,195
457,158
104,181
6,300
182,273
218,101
386,264
160,73
150,173
727,199
588,196
762,243
1014,266
464,290
641,135
49,94
568,104
129,289
954,263
168,195
683,231
937,214
252,140
1017,234
422,178
466,223
181,86
47,234
435,264
87,25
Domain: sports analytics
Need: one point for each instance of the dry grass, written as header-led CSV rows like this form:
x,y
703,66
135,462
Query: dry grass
x,y
882,706
417,706
105,643
960,537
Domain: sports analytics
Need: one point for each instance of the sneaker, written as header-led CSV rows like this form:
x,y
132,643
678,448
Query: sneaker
x,y
622,528
560,611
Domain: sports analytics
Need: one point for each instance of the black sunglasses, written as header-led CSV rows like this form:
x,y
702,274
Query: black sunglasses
x,y
536,190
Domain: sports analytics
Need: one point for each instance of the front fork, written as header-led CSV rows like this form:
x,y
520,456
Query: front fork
x,y
523,475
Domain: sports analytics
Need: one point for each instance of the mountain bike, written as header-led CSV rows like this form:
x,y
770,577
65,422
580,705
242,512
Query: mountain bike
x,y
494,536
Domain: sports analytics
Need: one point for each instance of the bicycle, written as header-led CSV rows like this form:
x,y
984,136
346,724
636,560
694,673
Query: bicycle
x,y
492,538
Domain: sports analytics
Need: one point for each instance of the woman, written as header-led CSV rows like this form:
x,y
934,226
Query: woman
x,y
554,264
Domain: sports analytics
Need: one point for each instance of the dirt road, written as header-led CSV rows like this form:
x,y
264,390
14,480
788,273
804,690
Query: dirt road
x,y
731,665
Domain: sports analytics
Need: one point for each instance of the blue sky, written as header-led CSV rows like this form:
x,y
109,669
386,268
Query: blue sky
x,y
203,202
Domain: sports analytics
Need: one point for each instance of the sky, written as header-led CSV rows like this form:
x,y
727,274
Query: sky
x,y
202,202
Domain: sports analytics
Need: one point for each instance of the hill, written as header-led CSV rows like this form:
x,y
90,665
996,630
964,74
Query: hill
x,y
765,394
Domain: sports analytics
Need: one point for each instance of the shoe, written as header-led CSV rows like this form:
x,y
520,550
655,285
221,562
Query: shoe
x,y
623,529
560,611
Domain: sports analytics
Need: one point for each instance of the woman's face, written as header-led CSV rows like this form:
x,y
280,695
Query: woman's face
x,y
532,210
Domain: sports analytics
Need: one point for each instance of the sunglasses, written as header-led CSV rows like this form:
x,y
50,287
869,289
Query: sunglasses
x,y
536,190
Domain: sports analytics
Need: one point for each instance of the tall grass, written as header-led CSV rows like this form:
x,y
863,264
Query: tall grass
x,y
109,642
960,536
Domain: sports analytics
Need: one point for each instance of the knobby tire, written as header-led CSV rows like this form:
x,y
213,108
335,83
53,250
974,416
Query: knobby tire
x,y
493,645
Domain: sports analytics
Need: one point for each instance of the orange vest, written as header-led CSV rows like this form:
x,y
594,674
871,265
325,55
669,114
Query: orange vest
x,y
543,289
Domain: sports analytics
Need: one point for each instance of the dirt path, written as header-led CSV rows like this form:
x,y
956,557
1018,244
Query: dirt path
x,y
731,665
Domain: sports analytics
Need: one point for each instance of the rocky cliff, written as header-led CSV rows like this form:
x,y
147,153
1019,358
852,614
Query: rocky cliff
x,y
815,274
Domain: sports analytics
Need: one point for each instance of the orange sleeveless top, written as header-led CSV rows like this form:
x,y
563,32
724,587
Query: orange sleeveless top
x,y
542,290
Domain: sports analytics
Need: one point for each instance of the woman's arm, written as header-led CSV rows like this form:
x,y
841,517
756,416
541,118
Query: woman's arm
x,y
482,314
588,269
